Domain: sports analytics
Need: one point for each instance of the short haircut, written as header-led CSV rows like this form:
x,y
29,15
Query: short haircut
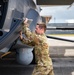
x,y
42,25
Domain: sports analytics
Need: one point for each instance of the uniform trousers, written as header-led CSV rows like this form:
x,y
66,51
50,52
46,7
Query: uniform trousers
x,y
43,70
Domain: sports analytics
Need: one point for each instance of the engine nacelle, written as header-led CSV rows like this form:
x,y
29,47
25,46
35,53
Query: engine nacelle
x,y
12,13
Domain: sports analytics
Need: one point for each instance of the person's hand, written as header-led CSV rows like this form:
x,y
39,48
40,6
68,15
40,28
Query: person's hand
x,y
21,37
26,22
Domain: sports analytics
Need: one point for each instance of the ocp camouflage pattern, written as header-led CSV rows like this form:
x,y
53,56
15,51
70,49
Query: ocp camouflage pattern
x,y
41,49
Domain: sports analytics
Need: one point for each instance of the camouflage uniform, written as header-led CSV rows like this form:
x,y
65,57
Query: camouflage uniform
x,y
44,62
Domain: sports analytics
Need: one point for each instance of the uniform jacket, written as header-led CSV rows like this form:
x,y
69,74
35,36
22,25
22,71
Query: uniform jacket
x,y
41,46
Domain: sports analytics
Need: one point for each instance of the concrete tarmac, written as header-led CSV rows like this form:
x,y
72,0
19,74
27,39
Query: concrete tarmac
x,y
27,70
62,66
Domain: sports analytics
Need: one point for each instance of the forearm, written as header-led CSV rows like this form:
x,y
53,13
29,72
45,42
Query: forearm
x,y
23,40
27,31
27,42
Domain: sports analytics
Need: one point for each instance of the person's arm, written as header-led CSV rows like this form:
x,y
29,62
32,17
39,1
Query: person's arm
x,y
26,41
31,36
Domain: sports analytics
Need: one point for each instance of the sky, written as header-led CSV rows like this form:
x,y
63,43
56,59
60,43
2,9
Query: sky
x,y
60,14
